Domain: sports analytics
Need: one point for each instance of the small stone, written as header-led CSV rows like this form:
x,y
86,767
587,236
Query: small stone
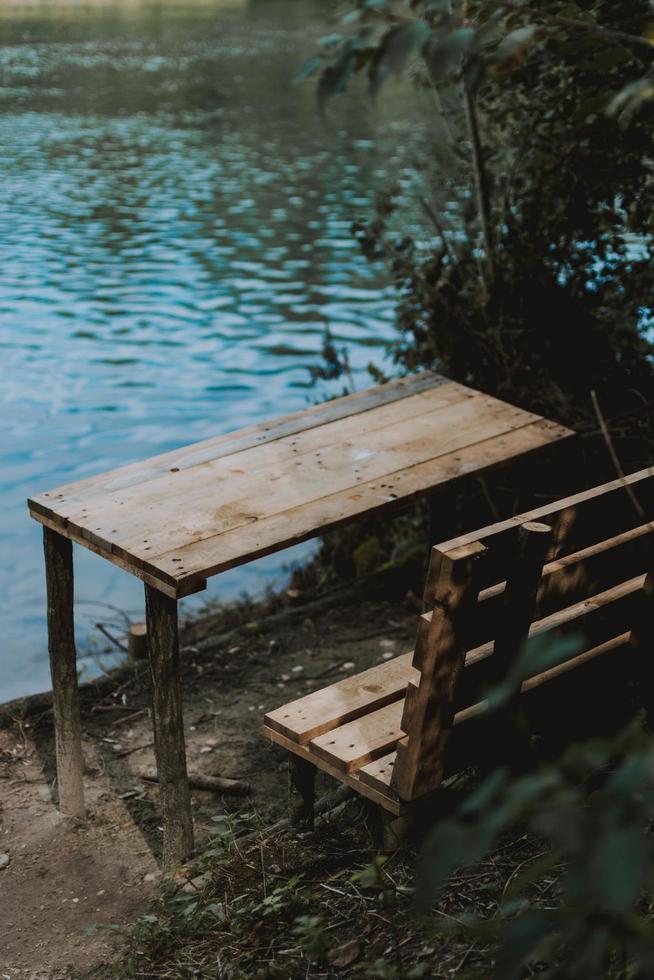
x,y
285,677
387,656
75,901
387,644
205,749
297,669
150,876
4,861
197,884
233,650
348,665
101,892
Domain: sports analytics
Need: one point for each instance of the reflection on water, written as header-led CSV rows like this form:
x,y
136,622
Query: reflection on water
x,y
175,238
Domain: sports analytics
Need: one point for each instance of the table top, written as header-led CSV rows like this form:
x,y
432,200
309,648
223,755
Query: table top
x,y
176,519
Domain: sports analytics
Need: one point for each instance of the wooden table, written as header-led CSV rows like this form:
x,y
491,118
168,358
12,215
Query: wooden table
x,y
176,519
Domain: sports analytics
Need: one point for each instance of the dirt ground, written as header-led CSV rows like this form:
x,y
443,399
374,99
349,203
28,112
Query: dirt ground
x,y
64,878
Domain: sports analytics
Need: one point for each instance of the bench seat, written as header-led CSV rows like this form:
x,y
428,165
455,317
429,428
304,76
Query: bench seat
x,y
361,728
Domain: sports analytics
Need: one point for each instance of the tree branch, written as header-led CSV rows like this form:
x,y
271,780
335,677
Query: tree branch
x,y
481,179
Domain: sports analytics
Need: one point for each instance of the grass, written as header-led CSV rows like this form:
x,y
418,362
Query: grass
x,y
320,905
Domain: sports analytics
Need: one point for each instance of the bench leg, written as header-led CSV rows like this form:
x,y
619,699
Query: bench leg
x,y
58,553
387,831
168,723
301,792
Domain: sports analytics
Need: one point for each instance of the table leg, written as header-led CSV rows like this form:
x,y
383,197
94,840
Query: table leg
x,y
301,792
58,552
168,722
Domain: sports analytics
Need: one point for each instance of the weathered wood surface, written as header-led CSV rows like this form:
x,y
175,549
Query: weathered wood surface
x,y
323,710
63,667
176,519
520,595
168,725
439,655
383,795
351,746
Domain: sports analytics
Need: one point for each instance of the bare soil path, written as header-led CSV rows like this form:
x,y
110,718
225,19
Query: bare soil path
x,y
63,878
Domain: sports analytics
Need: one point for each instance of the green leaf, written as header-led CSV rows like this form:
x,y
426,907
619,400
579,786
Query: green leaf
x,y
447,51
521,942
335,77
394,50
330,40
308,69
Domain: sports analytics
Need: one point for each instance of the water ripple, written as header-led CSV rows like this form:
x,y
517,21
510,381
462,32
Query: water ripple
x,y
175,239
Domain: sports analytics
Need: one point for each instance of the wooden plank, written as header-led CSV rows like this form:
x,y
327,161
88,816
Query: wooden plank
x,y
358,742
168,727
266,536
221,496
56,502
573,578
321,711
58,554
379,772
175,591
592,617
439,655
615,643
575,521
384,797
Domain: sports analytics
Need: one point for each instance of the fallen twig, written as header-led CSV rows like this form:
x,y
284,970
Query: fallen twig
x,y
212,784
105,632
322,807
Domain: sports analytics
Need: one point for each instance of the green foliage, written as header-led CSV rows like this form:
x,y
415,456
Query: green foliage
x,y
593,812
533,276
310,932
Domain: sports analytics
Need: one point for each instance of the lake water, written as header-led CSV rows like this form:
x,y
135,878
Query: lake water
x,y
174,240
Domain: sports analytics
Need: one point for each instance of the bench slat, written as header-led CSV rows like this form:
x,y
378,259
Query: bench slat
x,y
575,520
324,710
378,773
381,794
359,742
573,578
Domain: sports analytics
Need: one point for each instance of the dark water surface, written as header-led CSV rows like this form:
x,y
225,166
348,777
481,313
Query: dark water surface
x,y
174,240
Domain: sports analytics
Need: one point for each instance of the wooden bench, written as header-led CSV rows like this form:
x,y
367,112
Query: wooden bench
x,y
178,518
575,566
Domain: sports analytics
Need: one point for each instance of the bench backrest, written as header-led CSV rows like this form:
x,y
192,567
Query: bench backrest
x,y
582,565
